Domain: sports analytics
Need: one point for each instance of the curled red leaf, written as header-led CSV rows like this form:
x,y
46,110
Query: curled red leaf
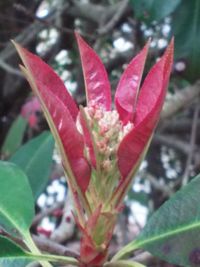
x,y
148,107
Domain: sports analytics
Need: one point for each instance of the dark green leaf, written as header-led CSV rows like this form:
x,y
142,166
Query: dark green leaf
x,y
14,137
11,255
153,10
172,233
16,200
35,159
186,29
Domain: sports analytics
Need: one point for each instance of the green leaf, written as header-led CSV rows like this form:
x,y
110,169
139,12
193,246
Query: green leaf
x,y
14,137
185,27
172,233
11,254
14,254
35,159
153,10
14,263
16,200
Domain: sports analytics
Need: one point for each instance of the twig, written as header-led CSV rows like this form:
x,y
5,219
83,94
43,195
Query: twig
x,y
53,247
167,191
44,245
43,21
180,100
178,125
192,146
66,228
10,69
171,141
23,38
27,35
114,20
49,23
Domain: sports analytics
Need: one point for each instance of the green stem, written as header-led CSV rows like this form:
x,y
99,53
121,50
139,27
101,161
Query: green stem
x,y
55,258
33,248
125,251
123,263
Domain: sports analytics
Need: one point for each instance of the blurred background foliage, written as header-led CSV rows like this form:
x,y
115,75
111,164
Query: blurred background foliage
x,y
117,30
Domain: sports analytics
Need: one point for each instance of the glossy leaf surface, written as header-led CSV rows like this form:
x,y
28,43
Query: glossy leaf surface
x,y
45,78
148,108
16,200
35,159
97,85
172,233
128,87
69,140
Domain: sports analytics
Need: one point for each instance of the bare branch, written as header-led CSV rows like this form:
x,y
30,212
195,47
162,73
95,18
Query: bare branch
x,y
180,100
44,245
178,125
53,247
28,34
66,228
23,38
45,22
87,11
192,146
166,190
10,69
171,141
114,20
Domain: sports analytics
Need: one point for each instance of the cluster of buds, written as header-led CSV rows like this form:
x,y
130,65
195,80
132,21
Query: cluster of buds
x,y
104,131
101,148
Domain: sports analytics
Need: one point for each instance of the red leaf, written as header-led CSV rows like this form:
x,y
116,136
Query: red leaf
x,y
128,87
55,101
71,139
153,91
44,74
148,108
95,76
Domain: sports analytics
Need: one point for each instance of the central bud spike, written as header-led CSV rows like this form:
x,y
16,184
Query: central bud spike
x,y
106,132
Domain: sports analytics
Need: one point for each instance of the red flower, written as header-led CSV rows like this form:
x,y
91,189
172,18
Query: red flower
x,y
101,148
29,111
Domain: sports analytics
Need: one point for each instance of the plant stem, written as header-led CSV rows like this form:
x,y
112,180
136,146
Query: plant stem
x,y
55,258
123,263
34,249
